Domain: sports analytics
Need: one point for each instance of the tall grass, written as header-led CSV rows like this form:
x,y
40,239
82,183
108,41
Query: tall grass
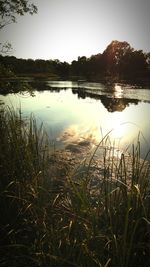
x,y
91,220
23,172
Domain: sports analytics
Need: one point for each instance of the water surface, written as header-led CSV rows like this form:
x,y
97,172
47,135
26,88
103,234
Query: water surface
x,y
72,112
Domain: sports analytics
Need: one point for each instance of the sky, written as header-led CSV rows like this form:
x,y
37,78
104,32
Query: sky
x,y
66,29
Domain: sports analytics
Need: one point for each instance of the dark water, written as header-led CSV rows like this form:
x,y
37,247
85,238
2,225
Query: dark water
x,y
74,111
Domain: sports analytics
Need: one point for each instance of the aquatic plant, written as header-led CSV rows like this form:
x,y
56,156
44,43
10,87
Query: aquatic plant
x,y
97,215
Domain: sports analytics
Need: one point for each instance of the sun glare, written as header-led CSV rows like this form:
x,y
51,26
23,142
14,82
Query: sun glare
x,y
118,91
119,130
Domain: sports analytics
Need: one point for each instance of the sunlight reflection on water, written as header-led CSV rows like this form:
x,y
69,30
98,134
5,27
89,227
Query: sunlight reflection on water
x,y
79,113
118,92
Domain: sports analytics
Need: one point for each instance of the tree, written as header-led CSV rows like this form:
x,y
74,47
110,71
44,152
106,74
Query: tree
x,y
134,65
96,67
9,9
113,54
148,59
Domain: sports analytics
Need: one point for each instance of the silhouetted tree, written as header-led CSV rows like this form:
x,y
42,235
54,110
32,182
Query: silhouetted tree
x,y
74,69
118,61
133,65
113,54
96,67
64,70
148,63
9,9
148,58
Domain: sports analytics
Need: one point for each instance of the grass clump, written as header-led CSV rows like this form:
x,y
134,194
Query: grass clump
x,y
99,215
23,166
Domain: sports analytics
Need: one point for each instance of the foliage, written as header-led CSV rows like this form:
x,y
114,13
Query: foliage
x,y
37,68
10,9
5,48
82,221
23,157
118,62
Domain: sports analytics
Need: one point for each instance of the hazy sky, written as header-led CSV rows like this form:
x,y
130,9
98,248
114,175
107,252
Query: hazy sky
x,y
66,29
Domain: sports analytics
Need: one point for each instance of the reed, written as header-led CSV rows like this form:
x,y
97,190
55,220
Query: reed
x,y
23,172
89,220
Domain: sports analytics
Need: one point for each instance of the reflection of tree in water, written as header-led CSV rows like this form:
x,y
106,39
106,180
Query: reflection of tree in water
x,y
117,104
20,86
15,86
44,86
110,103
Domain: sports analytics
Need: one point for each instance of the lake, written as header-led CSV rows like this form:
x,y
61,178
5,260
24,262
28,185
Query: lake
x,y
77,111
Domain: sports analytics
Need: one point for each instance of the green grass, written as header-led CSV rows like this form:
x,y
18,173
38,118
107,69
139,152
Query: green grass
x,y
83,222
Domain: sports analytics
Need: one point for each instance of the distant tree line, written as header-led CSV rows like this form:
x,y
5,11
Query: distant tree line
x,y
119,61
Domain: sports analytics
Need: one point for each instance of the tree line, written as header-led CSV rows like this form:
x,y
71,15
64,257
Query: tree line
x,y
119,61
